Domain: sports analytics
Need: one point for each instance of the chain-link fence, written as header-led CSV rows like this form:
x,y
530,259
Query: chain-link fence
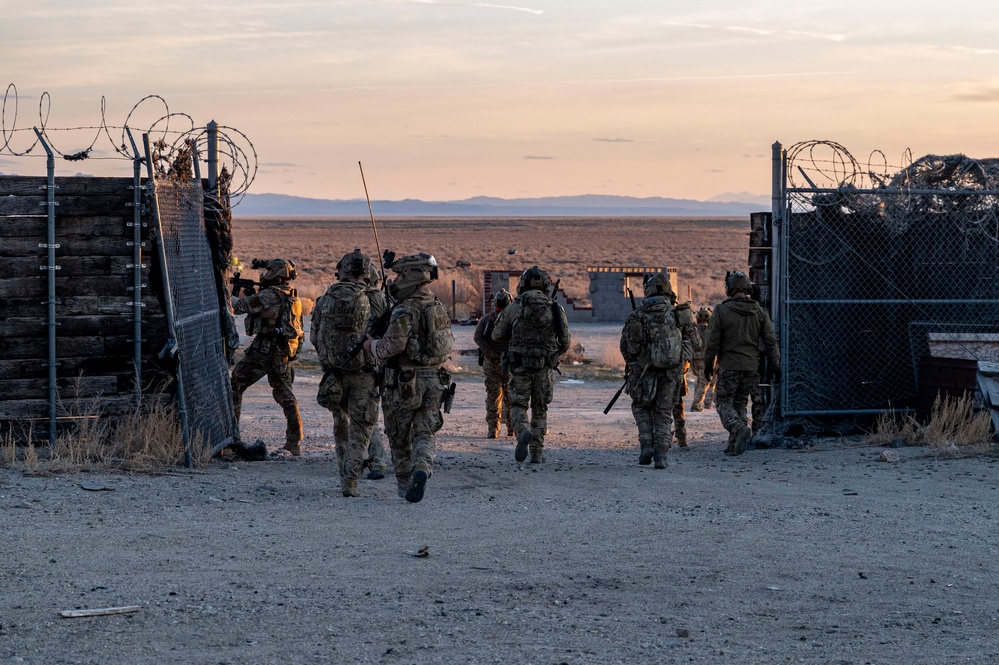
x,y
203,370
866,277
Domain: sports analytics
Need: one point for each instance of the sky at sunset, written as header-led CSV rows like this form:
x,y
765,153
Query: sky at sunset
x,y
447,100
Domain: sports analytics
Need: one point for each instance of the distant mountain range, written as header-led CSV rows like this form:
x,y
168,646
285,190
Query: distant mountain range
x,y
281,205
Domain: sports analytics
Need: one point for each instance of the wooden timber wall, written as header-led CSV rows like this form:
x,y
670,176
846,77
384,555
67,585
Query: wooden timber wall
x,y
93,300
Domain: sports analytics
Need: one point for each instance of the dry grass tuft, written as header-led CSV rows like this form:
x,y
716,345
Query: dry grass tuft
x,y
954,428
148,440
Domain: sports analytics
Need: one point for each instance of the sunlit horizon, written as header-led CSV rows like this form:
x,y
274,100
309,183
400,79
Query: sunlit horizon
x,y
445,101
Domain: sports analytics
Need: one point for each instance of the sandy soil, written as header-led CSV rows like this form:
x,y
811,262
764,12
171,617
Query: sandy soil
x,y
816,555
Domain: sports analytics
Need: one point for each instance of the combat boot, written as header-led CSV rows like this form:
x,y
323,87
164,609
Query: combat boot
x,y
645,457
537,458
294,447
414,493
696,407
681,439
376,474
348,487
524,440
742,440
730,448
660,460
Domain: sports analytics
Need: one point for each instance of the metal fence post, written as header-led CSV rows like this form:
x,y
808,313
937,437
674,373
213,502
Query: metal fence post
x,y
50,267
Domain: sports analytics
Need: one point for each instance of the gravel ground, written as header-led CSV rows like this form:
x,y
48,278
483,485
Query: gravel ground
x,y
817,555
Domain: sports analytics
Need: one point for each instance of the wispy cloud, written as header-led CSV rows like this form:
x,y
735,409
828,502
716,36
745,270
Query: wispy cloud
x,y
615,140
483,5
537,157
969,49
761,32
978,93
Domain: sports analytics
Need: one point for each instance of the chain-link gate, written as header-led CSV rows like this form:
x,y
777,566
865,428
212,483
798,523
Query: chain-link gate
x,y
202,368
866,267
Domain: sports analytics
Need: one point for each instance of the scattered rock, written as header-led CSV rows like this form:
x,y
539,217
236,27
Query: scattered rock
x,y
888,456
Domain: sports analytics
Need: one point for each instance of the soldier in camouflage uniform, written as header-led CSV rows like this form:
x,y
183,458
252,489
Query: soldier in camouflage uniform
x,y
537,331
274,319
704,390
687,324
376,446
414,348
654,352
496,376
348,388
737,327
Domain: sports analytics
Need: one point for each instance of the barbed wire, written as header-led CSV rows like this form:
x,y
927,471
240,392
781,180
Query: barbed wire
x,y
237,154
831,178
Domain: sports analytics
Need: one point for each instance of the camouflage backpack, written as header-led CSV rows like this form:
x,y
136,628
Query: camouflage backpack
x,y
533,339
662,343
433,341
338,322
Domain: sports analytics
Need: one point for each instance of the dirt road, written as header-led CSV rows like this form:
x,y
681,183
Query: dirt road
x,y
818,555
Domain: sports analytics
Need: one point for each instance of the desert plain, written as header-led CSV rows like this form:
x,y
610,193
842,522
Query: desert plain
x,y
816,553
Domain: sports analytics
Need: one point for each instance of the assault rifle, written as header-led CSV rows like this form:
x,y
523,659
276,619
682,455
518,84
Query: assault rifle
x,y
247,286
620,390
557,319
610,405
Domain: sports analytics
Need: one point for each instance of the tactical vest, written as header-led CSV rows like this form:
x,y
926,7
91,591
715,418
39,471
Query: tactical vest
x,y
662,343
339,323
282,318
431,345
533,336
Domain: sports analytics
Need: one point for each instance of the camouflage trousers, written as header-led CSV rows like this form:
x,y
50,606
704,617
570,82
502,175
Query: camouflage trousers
x,y
497,399
352,398
653,400
273,363
704,390
531,390
376,450
412,408
731,395
759,401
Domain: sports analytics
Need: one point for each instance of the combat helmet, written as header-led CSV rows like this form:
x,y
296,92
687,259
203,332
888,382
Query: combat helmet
x,y
355,264
413,271
533,279
502,299
658,284
276,271
704,315
737,281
